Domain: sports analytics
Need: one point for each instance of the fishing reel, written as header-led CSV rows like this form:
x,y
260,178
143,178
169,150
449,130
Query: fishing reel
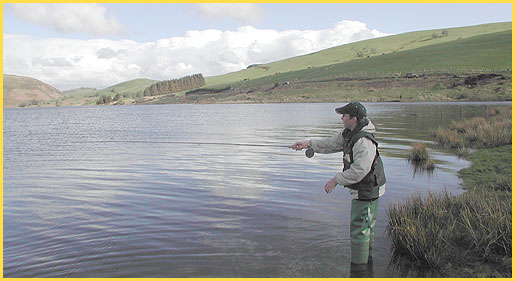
x,y
310,152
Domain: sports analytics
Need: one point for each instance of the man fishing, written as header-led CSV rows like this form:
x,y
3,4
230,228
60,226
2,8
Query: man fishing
x,y
362,174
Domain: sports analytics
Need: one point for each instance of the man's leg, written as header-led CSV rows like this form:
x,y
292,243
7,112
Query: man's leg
x,y
373,215
362,230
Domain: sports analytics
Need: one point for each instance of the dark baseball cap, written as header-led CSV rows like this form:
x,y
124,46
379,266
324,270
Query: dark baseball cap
x,y
353,109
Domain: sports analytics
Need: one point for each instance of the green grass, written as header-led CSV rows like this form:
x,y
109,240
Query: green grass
x,y
132,87
79,92
490,169
396,44
486,52
81,96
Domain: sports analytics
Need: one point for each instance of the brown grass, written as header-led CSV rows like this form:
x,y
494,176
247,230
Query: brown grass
x,y
441,229
480,132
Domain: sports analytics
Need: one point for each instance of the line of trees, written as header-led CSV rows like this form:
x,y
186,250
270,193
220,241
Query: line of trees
x,y
175,85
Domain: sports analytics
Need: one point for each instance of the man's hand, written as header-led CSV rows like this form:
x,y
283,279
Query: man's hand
x,y
330,185
300,145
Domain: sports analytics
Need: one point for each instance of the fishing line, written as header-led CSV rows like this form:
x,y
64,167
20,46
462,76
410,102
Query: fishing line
x,y
187,142
309,152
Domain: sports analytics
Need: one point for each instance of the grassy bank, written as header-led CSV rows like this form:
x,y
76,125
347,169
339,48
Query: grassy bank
x,y
468,235
441,86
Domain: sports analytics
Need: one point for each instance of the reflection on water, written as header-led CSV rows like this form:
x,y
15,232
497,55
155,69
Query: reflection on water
x,y
77,207
424,167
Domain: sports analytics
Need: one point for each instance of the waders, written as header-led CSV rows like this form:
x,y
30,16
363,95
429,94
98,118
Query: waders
x,y
362,230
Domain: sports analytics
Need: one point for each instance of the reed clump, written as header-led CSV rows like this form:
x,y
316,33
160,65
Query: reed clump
x,y
419,157
493,130
442,229
418,152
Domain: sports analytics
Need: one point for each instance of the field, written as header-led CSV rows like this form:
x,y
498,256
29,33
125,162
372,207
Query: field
x,y
396,44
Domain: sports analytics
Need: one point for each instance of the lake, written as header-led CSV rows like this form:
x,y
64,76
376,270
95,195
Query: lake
x,y
81,202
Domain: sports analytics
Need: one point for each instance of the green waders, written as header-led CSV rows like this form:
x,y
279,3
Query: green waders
x,y
362,230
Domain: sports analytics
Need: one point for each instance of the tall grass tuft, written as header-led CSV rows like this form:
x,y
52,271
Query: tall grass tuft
x,y
418,152
419,157
491,131
442,229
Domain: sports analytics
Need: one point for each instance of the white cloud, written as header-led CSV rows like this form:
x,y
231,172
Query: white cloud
x,y
245,13
107,53
70,63
70,18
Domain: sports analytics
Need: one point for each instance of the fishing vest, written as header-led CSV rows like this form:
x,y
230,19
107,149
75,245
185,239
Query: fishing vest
x,y
368,187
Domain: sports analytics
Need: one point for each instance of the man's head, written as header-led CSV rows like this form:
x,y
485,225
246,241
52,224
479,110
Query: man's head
x,y
351,114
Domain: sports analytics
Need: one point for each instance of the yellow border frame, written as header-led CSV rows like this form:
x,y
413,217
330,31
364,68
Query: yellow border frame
x,y
224,1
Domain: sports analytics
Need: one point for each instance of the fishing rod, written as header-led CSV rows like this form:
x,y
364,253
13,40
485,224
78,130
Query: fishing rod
x,y
309,152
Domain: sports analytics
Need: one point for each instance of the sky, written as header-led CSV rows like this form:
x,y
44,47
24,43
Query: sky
x,y
98,45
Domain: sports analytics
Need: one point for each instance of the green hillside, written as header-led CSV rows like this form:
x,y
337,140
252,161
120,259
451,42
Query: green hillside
x,y
485,52
79,92
361,50
129,88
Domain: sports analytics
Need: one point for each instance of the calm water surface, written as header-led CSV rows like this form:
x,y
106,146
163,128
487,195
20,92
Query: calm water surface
x,y
78,206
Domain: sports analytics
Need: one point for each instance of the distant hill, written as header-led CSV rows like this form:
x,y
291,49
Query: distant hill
x,y
129,88
26,91
365,49
79,92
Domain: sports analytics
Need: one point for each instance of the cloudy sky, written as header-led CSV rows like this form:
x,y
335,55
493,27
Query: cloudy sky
x,y
98,45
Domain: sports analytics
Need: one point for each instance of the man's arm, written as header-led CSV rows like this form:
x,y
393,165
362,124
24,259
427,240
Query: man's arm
x,y
326,145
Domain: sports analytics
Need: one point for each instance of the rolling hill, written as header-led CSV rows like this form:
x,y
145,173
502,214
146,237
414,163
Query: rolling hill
x,y
484,52
26,91
361,50
132,87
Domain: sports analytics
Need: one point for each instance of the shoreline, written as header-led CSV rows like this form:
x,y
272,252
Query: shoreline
x,y
467,235
302,102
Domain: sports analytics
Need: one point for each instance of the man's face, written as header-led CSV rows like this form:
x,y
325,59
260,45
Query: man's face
x,y
349,122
